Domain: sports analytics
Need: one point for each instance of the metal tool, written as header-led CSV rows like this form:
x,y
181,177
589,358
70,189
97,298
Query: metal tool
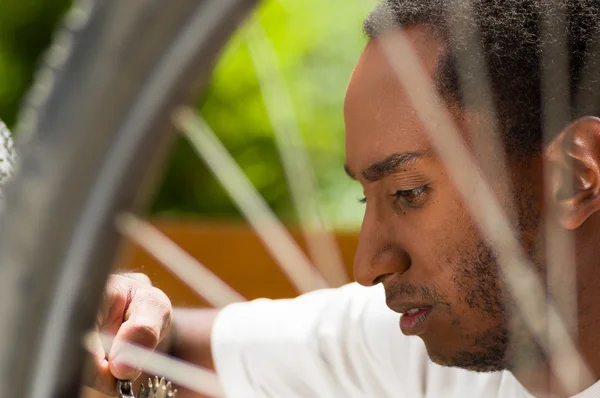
x,y
124,389
155,388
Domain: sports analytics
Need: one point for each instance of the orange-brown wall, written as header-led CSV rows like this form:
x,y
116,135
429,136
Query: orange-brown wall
x,y
232,251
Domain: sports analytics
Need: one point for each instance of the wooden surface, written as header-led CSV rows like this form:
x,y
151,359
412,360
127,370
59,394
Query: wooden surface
x,y
232,251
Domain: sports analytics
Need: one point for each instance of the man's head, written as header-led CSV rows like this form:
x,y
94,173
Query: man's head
x,y
418,238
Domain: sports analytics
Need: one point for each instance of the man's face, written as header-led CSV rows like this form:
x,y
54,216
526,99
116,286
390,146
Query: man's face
x,y
418,238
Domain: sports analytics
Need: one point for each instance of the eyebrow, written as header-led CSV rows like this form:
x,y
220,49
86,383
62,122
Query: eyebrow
x,y
387,166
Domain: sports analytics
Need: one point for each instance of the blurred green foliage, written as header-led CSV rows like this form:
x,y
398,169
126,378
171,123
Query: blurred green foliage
x,y
26,28
317,43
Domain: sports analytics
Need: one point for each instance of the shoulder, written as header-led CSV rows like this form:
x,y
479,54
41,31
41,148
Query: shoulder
x,y
345,340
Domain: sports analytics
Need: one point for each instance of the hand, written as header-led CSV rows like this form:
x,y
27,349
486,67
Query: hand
x,y
133,311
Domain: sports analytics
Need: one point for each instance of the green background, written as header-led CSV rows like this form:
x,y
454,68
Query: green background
x,y
317,43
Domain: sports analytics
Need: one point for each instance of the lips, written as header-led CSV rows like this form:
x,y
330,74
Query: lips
x,y
414,314
413,321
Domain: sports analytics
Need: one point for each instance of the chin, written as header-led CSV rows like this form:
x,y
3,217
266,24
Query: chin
x,y
475,361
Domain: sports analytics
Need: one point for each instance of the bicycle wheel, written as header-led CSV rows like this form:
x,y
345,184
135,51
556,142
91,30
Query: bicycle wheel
x,y
98,126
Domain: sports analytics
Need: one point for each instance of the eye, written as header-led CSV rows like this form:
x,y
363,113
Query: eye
x,y
363,199
412,197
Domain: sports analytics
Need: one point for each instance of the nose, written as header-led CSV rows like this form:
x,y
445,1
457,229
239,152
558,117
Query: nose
x,y
379,253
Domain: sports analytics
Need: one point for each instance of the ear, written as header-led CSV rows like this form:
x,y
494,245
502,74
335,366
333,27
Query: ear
x,y
574,159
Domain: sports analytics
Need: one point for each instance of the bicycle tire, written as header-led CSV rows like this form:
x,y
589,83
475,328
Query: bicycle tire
x,y
94,129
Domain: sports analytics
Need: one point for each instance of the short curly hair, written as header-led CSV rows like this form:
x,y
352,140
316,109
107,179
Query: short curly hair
x,y
511,42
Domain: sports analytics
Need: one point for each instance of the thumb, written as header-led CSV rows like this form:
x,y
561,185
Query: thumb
x,y
96,373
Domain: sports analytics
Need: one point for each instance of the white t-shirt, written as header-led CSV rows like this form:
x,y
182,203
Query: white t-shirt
x,y
341,343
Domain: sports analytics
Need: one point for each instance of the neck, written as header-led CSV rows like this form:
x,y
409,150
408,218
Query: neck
x,y
543,382
568,378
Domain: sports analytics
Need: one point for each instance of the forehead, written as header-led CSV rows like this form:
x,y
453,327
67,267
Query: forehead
x,y
380,119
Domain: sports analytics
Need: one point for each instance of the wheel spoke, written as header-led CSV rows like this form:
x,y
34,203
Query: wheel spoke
x,y
182,373
478,197
178,261
476,88
559,242
320,241
477,91
269,228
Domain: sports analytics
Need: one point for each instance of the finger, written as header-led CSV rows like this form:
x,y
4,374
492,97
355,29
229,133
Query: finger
x,y
120,289
96,370
147,321
122,365
100,378
114,303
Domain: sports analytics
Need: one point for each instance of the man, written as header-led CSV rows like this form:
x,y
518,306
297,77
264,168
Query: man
x,y
420,250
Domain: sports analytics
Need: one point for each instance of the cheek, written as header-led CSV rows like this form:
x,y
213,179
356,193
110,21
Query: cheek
x,y
446,247
441,229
